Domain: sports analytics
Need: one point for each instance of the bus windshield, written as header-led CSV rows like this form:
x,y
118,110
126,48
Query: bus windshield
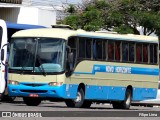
x,y
37,55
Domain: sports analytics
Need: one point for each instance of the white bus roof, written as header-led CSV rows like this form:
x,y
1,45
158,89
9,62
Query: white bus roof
x,y
65,34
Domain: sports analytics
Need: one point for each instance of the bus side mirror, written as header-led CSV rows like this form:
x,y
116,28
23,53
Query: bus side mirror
x,y
2,54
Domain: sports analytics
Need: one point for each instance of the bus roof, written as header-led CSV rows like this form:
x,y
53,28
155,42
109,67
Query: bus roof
x,y
22,26
65,34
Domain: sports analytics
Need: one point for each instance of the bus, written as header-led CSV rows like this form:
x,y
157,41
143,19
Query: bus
x,y
82,67
6,31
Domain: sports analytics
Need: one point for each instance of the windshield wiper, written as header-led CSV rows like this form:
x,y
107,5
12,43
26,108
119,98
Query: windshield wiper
x,y
41,66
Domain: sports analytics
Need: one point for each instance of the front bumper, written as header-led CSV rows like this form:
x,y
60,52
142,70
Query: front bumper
x,y
42,90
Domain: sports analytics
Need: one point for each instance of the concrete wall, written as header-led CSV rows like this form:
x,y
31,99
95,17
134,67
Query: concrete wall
x,y
28,15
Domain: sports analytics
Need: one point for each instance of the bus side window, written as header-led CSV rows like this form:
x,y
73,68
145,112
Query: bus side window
x,y
151,53
99,49
138,53
110,50
145,53
155,54
124,51
131,52
117,51
72,42
88,47
94,50
82,48
104,50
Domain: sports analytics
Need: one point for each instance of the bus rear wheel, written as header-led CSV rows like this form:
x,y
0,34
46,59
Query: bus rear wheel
x,y
124,104
31,101
78,102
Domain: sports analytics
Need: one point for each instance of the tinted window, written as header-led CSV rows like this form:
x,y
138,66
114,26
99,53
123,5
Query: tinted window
x,y
131,52
99,48
110,50
85,47
145,53
125,51
117,51
138,52
155,54
88,48
151,53
82,47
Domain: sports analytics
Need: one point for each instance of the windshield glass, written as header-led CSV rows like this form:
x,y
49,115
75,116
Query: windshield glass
x,y
37,55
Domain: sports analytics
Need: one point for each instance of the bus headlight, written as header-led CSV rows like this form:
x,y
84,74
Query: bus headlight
x,y
55,83
13,82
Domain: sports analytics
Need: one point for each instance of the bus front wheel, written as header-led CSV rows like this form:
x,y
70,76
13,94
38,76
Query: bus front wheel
x,y
31,101
78,102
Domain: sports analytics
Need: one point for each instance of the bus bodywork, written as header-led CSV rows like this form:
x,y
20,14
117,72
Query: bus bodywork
x,y
34,75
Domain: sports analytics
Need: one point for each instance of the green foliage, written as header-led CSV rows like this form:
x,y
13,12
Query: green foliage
x,y
122,16
72,20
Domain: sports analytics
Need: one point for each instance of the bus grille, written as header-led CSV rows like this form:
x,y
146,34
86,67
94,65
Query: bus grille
x,y
34,91
33,85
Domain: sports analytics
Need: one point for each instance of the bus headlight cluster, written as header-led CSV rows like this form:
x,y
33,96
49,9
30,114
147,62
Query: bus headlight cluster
x,y
13,82
55,83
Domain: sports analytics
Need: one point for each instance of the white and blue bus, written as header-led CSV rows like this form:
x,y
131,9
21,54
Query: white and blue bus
x,y
82,67
7,29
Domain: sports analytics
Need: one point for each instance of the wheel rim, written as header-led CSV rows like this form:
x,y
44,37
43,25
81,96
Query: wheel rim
x,y
78,97
128,100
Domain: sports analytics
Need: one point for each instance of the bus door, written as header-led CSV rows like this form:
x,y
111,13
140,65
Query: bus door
x,y
3,41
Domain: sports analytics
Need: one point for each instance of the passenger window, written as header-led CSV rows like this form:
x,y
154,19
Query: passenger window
x,y
124,51
138,52
88,48
85,48
117,51
145,53
151,53
104,49
155,54
72,42
110,50
131,52
99,49
82,47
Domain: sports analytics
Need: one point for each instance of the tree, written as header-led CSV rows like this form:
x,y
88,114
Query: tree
x,y
122,16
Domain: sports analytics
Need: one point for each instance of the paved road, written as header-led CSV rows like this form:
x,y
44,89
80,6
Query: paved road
x,y
60,110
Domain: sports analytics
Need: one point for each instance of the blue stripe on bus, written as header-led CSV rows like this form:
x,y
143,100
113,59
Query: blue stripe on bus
x,y
92,92
117,38
121,70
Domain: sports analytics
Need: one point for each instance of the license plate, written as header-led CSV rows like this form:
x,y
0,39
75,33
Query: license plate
x,y
33,95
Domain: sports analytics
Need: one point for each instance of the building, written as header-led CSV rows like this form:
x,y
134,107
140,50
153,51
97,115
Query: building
x,y
27,12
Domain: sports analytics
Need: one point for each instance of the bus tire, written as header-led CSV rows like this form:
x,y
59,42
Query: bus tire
x,y
31,101
7,98
124,104
78,102
87,104
1,96
127,101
